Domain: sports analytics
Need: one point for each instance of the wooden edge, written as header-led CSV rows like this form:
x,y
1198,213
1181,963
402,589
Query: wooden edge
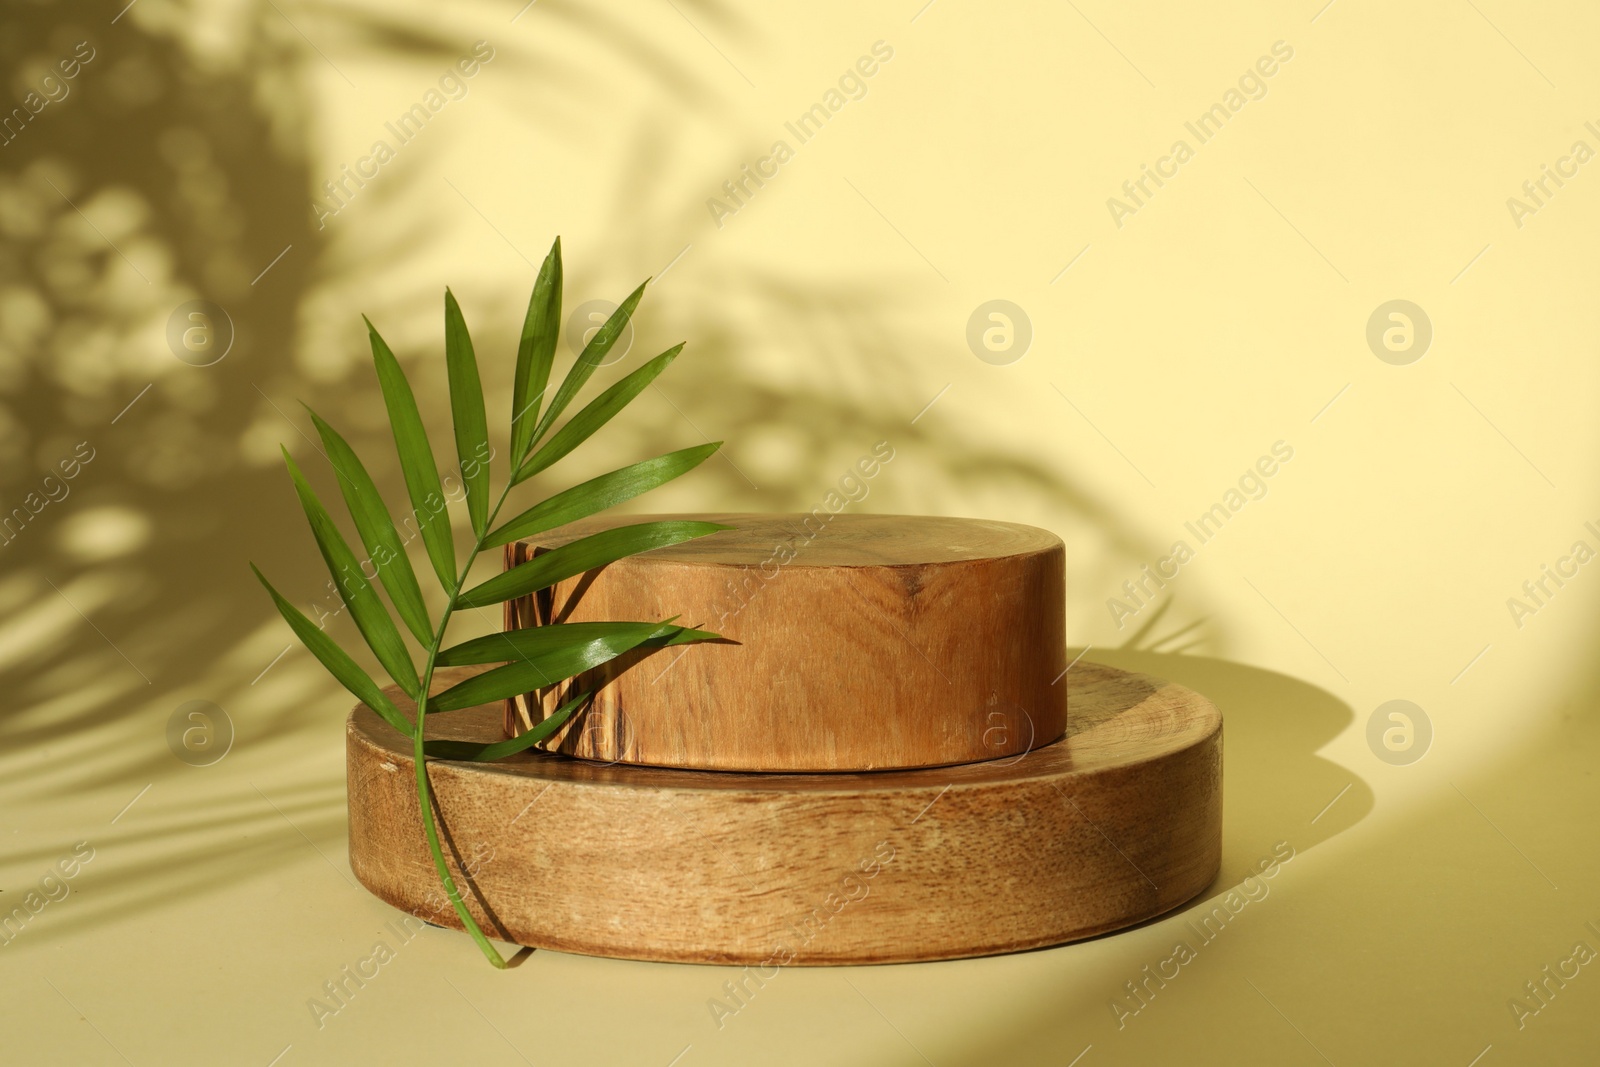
x,y
707,867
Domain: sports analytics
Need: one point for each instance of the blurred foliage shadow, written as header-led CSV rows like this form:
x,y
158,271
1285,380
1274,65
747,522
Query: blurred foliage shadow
x,y
177,168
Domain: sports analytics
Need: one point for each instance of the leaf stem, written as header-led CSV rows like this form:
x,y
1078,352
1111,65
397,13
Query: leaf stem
x,y
419,757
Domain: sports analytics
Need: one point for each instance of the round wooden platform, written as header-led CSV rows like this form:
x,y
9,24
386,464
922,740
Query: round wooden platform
x,y
854,643
1117,822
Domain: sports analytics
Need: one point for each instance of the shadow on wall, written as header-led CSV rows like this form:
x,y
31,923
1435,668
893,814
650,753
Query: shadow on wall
x,y
176,168
776,367
154,180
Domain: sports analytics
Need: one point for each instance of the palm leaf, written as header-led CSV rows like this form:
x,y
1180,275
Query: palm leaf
x,y
567,639
532,658
428,504
384,547
341,666
371,617
593,354
537,642
597,494
548,667
466,408
584,554
535,354
598,412
483,753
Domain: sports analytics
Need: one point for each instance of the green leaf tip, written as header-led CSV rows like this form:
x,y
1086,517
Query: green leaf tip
x,y
467,412
338,663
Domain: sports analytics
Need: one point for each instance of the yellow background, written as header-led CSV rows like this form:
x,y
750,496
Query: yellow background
x,y
1228,313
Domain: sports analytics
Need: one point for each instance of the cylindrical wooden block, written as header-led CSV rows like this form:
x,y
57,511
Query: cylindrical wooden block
x,y
854,642
1119,821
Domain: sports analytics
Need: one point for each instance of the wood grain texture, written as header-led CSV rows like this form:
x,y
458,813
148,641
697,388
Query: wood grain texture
x,y
865,642
1119,821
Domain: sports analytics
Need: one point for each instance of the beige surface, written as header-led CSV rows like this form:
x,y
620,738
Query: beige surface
x,y
1168,356
206,922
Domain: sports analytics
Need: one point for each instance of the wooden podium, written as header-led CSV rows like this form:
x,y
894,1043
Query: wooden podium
x,y
878,764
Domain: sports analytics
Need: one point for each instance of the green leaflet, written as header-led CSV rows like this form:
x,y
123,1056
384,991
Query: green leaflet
x,y
539,640
593,354
535,354
597,494
371,617
584,554
544,667
590,643
428,505
466,410
484,753
596,414
535,642
384,547
341,666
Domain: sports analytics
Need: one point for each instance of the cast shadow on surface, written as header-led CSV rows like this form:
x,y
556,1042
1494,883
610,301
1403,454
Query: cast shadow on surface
x,y
1462,896
1276,788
